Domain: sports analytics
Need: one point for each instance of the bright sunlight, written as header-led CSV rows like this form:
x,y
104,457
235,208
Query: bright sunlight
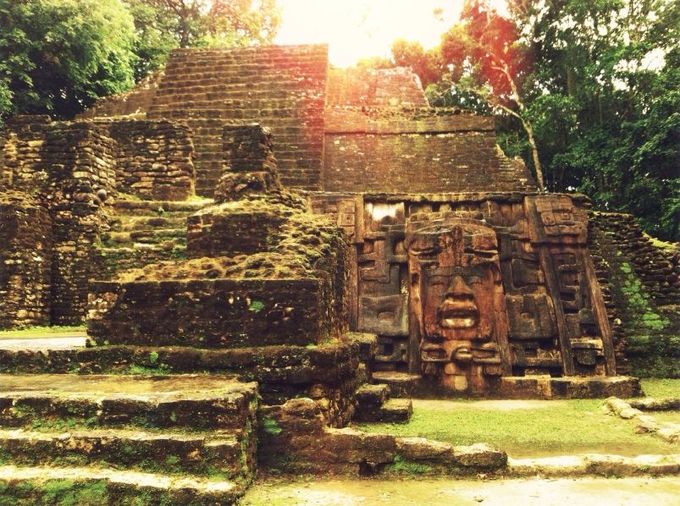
x,y
356,29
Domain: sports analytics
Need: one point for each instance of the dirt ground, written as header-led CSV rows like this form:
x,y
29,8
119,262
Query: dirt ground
x,y
434,492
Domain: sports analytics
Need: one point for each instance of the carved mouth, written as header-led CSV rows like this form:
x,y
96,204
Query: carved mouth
x,y
458,314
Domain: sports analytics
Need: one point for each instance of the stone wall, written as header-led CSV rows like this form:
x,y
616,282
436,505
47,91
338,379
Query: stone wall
x,y
69,168
154,159
422,150
363,87
25,261
149,159
641,279
221,313
280,87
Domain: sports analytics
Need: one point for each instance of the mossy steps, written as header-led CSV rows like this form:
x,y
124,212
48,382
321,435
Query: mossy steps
x,y
171,452
89,486
190,401
144,232
374,405
119,439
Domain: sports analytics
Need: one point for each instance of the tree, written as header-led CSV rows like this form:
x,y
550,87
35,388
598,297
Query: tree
x,y
58,56
154,37
213,22
605,102
427,64
486,56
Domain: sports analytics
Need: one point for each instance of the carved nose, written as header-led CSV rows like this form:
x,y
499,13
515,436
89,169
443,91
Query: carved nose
x,y
459,289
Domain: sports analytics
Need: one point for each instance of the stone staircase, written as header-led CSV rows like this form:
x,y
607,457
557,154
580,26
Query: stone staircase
x,y
513,172
374,405
144,232
278,87
101,439
401,384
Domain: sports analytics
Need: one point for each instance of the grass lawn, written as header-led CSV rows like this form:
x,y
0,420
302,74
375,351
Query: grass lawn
x,y
533,428
666,417
660,388
40,332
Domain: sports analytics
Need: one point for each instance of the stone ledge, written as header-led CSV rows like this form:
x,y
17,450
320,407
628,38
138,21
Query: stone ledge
x,y
119,487
293,365
519,387
220,313
600,465
669,432
110,401
293,439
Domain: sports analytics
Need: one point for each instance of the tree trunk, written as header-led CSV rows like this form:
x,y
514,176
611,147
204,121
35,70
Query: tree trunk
x,y
534,154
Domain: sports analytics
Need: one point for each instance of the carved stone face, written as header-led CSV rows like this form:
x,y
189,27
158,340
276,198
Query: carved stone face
x,y
458,270
457,299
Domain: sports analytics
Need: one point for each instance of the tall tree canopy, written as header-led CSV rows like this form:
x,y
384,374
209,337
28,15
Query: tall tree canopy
x,y
586,90
606,102
57,56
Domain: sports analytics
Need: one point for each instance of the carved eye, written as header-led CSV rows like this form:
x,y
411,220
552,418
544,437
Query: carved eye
x,y
474,280
423,252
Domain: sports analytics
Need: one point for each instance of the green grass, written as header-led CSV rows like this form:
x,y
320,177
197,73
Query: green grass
x,y
38,332
666,416
660,388
199,198
527,428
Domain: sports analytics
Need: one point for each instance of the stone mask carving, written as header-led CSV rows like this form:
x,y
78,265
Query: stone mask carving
x,y
457,300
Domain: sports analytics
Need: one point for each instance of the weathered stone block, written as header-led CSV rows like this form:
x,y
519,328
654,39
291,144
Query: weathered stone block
x,y
25,261
480,456
221,230
220,313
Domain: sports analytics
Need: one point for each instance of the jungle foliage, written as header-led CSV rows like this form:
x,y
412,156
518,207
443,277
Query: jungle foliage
x,y
58,56
587,92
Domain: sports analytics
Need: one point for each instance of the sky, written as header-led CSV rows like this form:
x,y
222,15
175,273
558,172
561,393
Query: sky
x,y
356,29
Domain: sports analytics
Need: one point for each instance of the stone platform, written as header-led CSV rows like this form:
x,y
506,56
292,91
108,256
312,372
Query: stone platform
x,y
184,439
519,387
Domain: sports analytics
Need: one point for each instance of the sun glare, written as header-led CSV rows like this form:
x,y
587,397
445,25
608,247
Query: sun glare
x,y
356,29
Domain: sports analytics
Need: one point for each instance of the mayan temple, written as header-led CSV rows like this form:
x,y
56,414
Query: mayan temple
x,y
266,249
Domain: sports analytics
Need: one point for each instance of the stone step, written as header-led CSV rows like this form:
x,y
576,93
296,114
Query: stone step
x,y
372,396
192,402
129,223
160,236
229,454
402,384
297,367
258,78
142,253
217,93
167,205
121,257
393,411
219,86
24,486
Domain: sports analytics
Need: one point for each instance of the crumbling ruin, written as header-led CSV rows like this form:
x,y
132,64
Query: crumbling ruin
x,y
345,236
